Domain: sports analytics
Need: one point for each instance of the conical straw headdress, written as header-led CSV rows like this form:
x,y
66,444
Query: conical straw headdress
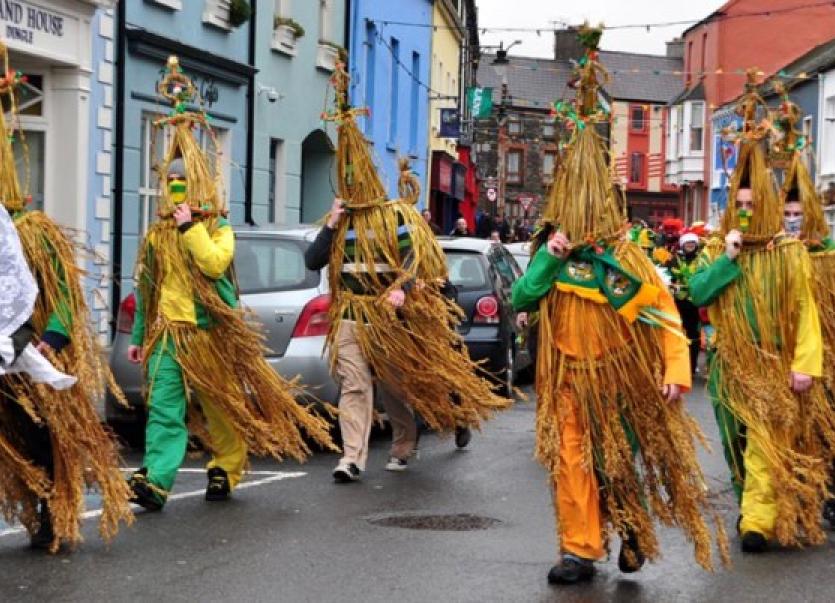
x,y
797,181
752,171
359,183
583,203
203,185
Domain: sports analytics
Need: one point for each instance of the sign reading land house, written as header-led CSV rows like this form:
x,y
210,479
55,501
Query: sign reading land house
x,y
32,28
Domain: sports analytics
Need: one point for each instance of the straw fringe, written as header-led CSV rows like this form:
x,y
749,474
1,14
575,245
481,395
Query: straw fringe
x,y
225,363
756,320
83,451
615,382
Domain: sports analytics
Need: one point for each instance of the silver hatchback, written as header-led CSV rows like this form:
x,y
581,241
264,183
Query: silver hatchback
x,y
290,303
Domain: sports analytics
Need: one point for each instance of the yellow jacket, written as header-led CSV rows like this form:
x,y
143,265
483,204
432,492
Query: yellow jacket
x,y
213,254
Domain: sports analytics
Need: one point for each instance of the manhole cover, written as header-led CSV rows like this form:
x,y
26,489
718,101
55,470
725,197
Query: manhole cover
x,y
460,522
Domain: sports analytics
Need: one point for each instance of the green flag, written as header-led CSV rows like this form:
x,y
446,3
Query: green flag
x,y
480,101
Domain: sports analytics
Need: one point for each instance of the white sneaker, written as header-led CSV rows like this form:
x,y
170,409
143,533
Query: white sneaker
x,y
346,472
396,464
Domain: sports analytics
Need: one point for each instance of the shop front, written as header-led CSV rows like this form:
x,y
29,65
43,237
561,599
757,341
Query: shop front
x,y
51,43
447,190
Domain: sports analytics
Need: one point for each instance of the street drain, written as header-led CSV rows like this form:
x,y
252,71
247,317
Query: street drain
x,y
460,522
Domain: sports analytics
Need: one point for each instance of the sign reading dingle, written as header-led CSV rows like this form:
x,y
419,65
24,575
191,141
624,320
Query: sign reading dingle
x,y
23,21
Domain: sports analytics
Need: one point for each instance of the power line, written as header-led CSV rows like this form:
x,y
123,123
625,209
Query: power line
x,y
713,18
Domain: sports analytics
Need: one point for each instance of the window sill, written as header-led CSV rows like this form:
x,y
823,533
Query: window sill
x,y
413,154
171,4
391,146
284,40
326,57
215,21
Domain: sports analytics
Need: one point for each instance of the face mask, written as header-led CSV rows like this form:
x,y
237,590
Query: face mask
x,y
177,191
744,219
792,225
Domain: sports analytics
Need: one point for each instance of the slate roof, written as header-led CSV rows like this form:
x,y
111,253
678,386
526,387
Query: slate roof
x,y
537,82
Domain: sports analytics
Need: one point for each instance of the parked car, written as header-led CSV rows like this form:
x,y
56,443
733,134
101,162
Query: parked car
x,y
290,303
483,272
521,252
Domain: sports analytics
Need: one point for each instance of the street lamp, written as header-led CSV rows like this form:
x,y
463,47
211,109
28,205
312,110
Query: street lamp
x,y
500,64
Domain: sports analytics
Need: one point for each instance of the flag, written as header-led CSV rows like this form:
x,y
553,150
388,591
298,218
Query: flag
x,y
480,101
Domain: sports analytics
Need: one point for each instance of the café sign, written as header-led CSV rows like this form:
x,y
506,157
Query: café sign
x,y
35,29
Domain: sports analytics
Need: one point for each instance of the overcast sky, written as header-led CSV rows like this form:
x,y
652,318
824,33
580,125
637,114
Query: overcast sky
x,y
540,13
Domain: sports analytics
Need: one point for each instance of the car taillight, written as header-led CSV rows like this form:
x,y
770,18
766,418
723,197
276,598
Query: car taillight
x,y
127,312
487,310
314,320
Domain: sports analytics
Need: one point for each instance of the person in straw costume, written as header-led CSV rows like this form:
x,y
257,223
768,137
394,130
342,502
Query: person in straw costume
x,y
776,423
389,318
53,441
803,218
611,428
191,336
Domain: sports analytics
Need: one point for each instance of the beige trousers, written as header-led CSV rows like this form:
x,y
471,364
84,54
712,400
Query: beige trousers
x,y
356,403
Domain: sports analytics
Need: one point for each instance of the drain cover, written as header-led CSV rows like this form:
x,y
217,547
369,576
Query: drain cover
x,y
460,522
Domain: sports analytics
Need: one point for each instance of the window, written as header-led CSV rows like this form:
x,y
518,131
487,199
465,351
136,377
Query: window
x,y
370,67
325,18
638,119
549,162
636,168
29,156
548,129
688,64
395,90
152,147
680,130
263,264
697,120
466,271
514,125
704,51
504,268
807,134
414,109
276,212
513,166
216,12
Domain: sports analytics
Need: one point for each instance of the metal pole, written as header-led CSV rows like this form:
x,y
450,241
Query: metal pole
x,y
499,205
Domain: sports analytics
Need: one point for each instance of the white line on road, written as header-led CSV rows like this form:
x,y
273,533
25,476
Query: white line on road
x,y
272,476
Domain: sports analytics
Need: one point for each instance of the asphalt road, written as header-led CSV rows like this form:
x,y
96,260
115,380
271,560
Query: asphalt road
x,y
293,535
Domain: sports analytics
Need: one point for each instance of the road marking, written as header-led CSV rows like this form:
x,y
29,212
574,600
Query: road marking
x,y
270,476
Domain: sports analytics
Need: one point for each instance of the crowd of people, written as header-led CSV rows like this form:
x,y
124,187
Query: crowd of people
x,y
496,228
619,313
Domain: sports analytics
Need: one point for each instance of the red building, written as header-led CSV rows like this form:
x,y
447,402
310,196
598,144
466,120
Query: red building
x,y
717,50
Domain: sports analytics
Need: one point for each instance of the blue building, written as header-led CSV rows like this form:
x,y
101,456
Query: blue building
x,y
218,56
390,74
297,46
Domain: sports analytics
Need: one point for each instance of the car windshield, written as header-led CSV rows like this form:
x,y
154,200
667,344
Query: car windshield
x,y
522,260
272,264
466,270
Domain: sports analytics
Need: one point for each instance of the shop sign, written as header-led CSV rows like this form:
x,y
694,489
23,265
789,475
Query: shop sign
x,y
36,29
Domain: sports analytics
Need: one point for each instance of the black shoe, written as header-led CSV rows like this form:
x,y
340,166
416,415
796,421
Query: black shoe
x,y
43,538
754,542
630,563
218,488
143,493
346,473
571,570
463,435
829,512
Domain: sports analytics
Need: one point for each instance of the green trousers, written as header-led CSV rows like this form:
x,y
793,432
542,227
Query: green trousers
x,y
166,433
731,431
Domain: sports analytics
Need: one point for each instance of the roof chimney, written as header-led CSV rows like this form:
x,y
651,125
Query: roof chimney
x,y
675,48
567,44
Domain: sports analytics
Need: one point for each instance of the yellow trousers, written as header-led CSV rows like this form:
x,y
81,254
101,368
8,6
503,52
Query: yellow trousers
x,y
758,507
